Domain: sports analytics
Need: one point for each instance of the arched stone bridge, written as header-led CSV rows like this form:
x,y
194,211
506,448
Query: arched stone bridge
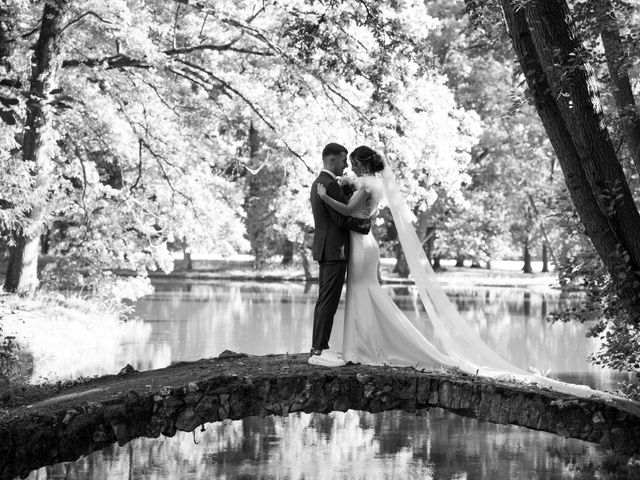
x,y
89,416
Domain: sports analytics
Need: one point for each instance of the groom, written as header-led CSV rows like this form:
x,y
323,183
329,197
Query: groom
x,y
331,251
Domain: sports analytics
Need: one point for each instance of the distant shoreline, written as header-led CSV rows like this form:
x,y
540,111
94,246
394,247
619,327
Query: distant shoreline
x,y
504,274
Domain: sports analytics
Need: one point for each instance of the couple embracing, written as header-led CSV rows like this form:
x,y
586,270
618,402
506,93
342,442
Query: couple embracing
x,y
376,332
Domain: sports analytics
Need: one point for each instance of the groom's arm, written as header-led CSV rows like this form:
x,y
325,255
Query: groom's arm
x,y
360,225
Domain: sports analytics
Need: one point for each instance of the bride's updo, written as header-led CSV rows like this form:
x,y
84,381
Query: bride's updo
x,y
369,158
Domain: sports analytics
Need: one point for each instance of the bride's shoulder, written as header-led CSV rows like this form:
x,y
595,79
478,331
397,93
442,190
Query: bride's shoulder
x,y
371,183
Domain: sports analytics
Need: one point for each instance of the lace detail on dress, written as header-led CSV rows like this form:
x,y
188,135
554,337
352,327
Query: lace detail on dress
x,y
373,186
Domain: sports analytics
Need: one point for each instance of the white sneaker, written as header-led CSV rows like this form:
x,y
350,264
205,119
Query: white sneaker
x,y
326,360
333,354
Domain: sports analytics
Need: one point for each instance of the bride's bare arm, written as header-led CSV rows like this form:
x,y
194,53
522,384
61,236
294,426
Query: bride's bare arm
x,y
355,202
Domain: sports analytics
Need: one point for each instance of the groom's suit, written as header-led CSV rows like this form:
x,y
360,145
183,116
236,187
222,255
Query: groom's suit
x,y
331,251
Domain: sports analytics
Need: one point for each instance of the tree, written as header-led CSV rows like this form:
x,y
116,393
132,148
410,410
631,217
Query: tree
x,y
21,275
618,64
148,123
563,88
512,159
601,24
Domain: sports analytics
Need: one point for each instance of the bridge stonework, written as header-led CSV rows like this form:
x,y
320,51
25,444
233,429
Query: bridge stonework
x,y
119,408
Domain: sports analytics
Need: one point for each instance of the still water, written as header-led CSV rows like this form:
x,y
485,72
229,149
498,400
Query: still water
x,y
195,320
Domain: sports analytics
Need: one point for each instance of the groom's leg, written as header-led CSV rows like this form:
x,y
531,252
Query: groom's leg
x,y
331,280
315,341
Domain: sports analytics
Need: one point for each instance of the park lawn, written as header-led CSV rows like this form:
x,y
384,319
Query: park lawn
x,y
49,336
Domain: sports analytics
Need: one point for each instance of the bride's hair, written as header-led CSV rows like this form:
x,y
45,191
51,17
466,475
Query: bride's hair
x,y
369,158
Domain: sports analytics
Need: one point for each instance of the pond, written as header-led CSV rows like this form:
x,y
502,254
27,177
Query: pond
x,y
191,320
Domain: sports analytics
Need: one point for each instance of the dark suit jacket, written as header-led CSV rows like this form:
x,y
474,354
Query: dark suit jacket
x,y
331,235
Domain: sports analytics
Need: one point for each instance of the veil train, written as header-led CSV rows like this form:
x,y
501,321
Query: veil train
x,y
458,339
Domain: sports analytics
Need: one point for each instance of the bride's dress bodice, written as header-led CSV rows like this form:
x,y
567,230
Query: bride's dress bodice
x,y
373,186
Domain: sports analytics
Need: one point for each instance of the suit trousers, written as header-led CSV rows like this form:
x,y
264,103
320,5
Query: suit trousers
x,y
330,282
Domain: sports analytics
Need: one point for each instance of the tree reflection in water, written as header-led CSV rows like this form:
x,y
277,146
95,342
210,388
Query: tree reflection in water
x,y
192,321
354,445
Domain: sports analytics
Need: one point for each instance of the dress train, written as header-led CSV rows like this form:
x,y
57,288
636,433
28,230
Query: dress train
x,y
376,332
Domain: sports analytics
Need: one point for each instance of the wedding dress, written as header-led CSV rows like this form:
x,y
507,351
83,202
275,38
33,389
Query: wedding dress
x,y
376,331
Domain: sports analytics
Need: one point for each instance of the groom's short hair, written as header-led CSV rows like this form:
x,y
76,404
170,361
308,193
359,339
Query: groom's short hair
x,y
333,149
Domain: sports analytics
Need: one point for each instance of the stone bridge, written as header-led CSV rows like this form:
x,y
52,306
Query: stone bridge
x,y
118,408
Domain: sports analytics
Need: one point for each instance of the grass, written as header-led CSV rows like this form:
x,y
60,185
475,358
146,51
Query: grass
x,y
55,338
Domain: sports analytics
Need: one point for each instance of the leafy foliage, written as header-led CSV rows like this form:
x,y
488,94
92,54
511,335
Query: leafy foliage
x,y
157,102
194,124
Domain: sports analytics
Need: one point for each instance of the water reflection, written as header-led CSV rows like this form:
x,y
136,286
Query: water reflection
x,y
351,445
191,321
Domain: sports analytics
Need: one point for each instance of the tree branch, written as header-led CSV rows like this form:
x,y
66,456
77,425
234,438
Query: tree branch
x,y
198,5
175,24
115,61
156,156
345,99
124,61
34,30
251,105
85,14
162,100
87,218
204,21
224,47
134,185
196,81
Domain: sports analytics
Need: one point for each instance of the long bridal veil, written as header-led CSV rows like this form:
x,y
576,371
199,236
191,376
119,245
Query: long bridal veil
x,y
454,334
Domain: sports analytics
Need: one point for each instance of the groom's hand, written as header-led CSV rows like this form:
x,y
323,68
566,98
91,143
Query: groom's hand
x,y
364,225
348,189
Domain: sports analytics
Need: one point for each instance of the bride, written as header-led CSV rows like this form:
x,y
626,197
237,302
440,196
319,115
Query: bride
x,y
376,332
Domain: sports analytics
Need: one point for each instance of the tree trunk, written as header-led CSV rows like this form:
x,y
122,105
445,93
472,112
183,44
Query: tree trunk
x,y
436,263
570,111
305,262
287,252
546,244
527,258
402,267
22,272
545,258
6,34
256,221
459,261
186,255
526,304
6,116
618,64
426,234
430,240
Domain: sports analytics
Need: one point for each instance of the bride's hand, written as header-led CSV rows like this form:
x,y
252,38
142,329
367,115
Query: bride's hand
x,y
322,191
